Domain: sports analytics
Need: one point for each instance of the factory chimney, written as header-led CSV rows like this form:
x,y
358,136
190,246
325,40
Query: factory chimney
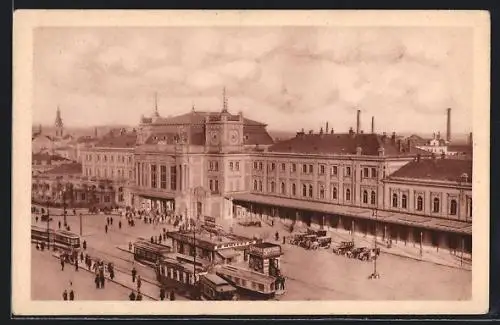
x,y
448,124
471,142
358,122
373,124
326,130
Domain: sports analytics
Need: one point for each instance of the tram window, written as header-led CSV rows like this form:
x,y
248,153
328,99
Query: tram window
x,y
261,287
244,282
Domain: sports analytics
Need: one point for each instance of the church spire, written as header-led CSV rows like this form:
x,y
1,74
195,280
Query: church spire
x,y
224,100
59,123
156,114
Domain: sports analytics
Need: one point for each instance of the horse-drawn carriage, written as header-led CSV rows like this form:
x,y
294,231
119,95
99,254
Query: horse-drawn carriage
x,y
344,248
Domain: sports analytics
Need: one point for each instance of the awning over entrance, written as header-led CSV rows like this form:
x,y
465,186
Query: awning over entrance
x,y
357,212
152,193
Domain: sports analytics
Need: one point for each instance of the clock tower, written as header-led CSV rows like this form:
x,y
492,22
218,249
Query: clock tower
x,y
224,131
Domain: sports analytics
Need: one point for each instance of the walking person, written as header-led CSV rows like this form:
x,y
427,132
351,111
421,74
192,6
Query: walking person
x,y
71,295
131,296
84,245
96,281
111,220
106,228
62,263
134,272
172,295
139,282
65,294
81,256
139,296
59,224
76,264
102,280
36,219
120,224
162,293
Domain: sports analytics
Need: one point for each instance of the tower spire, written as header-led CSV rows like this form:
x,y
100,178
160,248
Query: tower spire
x,y
156,105
224,100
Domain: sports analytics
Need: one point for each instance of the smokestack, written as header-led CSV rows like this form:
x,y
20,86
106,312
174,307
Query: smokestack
x,y
470,139
448,124
326,130
373,124
358,121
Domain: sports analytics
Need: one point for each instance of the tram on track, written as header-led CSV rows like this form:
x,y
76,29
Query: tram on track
x,y
149,253
213,287
39,234
59,239
250,284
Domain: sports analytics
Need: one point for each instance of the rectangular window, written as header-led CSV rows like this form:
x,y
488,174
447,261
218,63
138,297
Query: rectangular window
x,y
304,168
163,177
334,170
374,172
348,171
365,172
255,166
216,165
138,173
294,168
111,158
260,166
173,178
237,166
283,167
211,185
231,166
105,158
322,169
211,165
310,169
216,186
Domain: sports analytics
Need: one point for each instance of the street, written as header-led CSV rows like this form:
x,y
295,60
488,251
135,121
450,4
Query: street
x,y
310,275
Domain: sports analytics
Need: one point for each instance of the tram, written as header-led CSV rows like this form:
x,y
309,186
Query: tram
x,y
213,287
66,240
149,253
251,284
39,234
178,271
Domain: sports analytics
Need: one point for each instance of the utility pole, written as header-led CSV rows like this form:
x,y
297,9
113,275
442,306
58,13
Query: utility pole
x,y
375,275
81,231
48,226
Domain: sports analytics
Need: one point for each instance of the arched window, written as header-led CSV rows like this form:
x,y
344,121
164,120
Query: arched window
x,y
404,201
420,203
394,200
283,190
348,195
373,198
365,196
453,207
273,187
322,192
294,189
310,191
435,205
304,190
255,185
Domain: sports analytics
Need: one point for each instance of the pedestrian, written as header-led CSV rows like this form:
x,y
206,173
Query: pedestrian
x,y
71,295
282,283
277,236
111,274
131,296
284,240
139,282
81,256
129,246
62,263
107,220
42,246
106,228
159,239
65,294
111,220
59,224
74,212
36,219
37,246
84,245
134,272
120,224
102,280
76,265
162,293
139,296
172,295
96,281
152,240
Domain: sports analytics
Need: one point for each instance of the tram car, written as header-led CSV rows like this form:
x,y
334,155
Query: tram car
x,y
66,240
250,284
149,253
39,234
213,287
182,273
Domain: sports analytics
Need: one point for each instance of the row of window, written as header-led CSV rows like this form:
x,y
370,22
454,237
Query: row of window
x,y
435,206
307,190
309,169
234,166
213,184
107,173
157,176
213,165
108,157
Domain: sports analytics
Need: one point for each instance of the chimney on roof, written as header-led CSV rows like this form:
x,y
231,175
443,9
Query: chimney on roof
x,y
351,131
358,121
373,124
434,135
409,144
448,124
400,146
321,131
439,135
359,150
393,138
95,132
310,131
381,151
331,131
471,142
326,128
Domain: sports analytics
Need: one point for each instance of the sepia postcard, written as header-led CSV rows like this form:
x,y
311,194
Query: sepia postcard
x,y
250,162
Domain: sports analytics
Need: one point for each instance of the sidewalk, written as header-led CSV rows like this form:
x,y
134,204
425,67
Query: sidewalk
x,y
429,254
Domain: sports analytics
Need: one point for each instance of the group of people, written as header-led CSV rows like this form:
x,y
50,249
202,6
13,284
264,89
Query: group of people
x,y
70,295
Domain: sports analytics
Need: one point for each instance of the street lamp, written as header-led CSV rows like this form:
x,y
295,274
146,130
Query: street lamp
x,y
421,239
375,274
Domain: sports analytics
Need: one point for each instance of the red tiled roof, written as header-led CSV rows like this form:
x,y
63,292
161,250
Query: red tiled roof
x,y
436,169
254,135
127,140
65,169
343,143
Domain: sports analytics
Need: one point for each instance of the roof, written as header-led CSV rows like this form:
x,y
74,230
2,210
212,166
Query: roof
x,y
398,217
126,140
248,274
198,117
435,169
343,143
265,245
71,168
215,279
465,148
228,253
46,156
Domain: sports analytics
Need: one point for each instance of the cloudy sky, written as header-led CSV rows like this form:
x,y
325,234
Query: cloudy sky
x,y
288,77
